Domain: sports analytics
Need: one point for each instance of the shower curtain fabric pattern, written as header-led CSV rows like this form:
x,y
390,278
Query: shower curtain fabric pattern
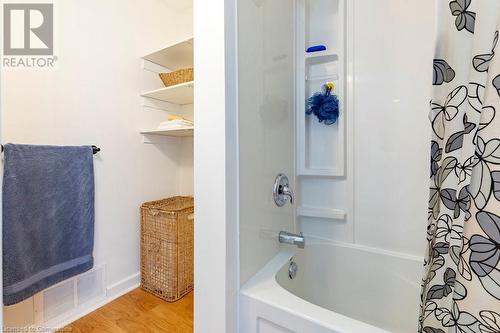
x,y
461,284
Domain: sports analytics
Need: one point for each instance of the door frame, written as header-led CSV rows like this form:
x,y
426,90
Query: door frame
x,y
216,167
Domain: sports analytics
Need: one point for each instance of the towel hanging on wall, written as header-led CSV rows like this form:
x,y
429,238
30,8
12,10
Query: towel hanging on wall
x,y
48,217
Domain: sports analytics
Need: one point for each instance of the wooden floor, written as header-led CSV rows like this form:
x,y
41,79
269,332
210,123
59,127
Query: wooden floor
x,y
138,311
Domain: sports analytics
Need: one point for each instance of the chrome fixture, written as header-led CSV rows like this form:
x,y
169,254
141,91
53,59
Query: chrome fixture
x,y
282,191
95,149
289,238
292,269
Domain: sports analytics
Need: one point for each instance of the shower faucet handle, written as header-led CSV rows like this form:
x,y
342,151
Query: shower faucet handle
x,y
287,191
282,191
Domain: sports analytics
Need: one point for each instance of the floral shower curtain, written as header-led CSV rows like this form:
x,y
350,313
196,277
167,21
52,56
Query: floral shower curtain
x,y
461,284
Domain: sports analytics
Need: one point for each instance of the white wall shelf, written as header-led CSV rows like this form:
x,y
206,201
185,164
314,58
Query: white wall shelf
x,y
321,57
179,132
179,94
175,56
319,172
324,213
326,77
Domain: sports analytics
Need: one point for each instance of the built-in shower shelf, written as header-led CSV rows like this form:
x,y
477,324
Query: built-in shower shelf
x,y
326,77
176,56
321,57
324,213
320,172
179,94
179,132
320,148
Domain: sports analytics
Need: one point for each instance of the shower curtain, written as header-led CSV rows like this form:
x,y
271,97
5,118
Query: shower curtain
x,y
461,284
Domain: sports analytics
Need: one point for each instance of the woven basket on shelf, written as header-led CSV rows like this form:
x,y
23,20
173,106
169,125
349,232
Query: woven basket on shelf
x,y
177,77
167,247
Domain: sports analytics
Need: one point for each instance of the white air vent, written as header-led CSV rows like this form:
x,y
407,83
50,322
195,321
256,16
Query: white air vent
x,y
59,302
90,286
58,299
65,298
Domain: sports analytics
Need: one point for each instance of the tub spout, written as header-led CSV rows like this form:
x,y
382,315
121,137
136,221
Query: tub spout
x,y
289,238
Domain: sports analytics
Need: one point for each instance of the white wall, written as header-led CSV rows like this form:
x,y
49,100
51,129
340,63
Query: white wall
x,y
394,47
215,167
391,67
266,111
92,97
186,179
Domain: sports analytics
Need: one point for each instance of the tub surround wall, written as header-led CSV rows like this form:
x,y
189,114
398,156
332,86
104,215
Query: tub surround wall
x,y
393,50
364,179
372,213
266,127
369,187
384,190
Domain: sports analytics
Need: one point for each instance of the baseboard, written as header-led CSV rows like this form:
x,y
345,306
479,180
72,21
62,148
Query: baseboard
x,y
124,286
113,291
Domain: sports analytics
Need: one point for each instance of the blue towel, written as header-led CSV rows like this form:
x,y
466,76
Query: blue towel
x,y
48,217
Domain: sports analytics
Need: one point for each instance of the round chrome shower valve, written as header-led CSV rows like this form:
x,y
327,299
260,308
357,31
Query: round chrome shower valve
x,y
282,191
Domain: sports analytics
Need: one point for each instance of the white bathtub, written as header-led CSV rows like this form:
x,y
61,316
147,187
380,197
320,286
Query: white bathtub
x,y
339,288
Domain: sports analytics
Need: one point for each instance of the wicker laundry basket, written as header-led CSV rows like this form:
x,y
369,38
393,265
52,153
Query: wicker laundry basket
x,y
167,247
177,77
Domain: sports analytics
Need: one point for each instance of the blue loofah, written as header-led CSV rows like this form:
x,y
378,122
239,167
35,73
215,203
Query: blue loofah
x,y
324,106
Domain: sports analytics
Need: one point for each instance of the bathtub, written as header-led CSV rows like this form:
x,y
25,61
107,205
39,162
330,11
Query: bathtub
x,y
341,288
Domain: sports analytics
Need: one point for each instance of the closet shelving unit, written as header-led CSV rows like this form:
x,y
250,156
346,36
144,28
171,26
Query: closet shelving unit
x,y
320,148
171,58
179,132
